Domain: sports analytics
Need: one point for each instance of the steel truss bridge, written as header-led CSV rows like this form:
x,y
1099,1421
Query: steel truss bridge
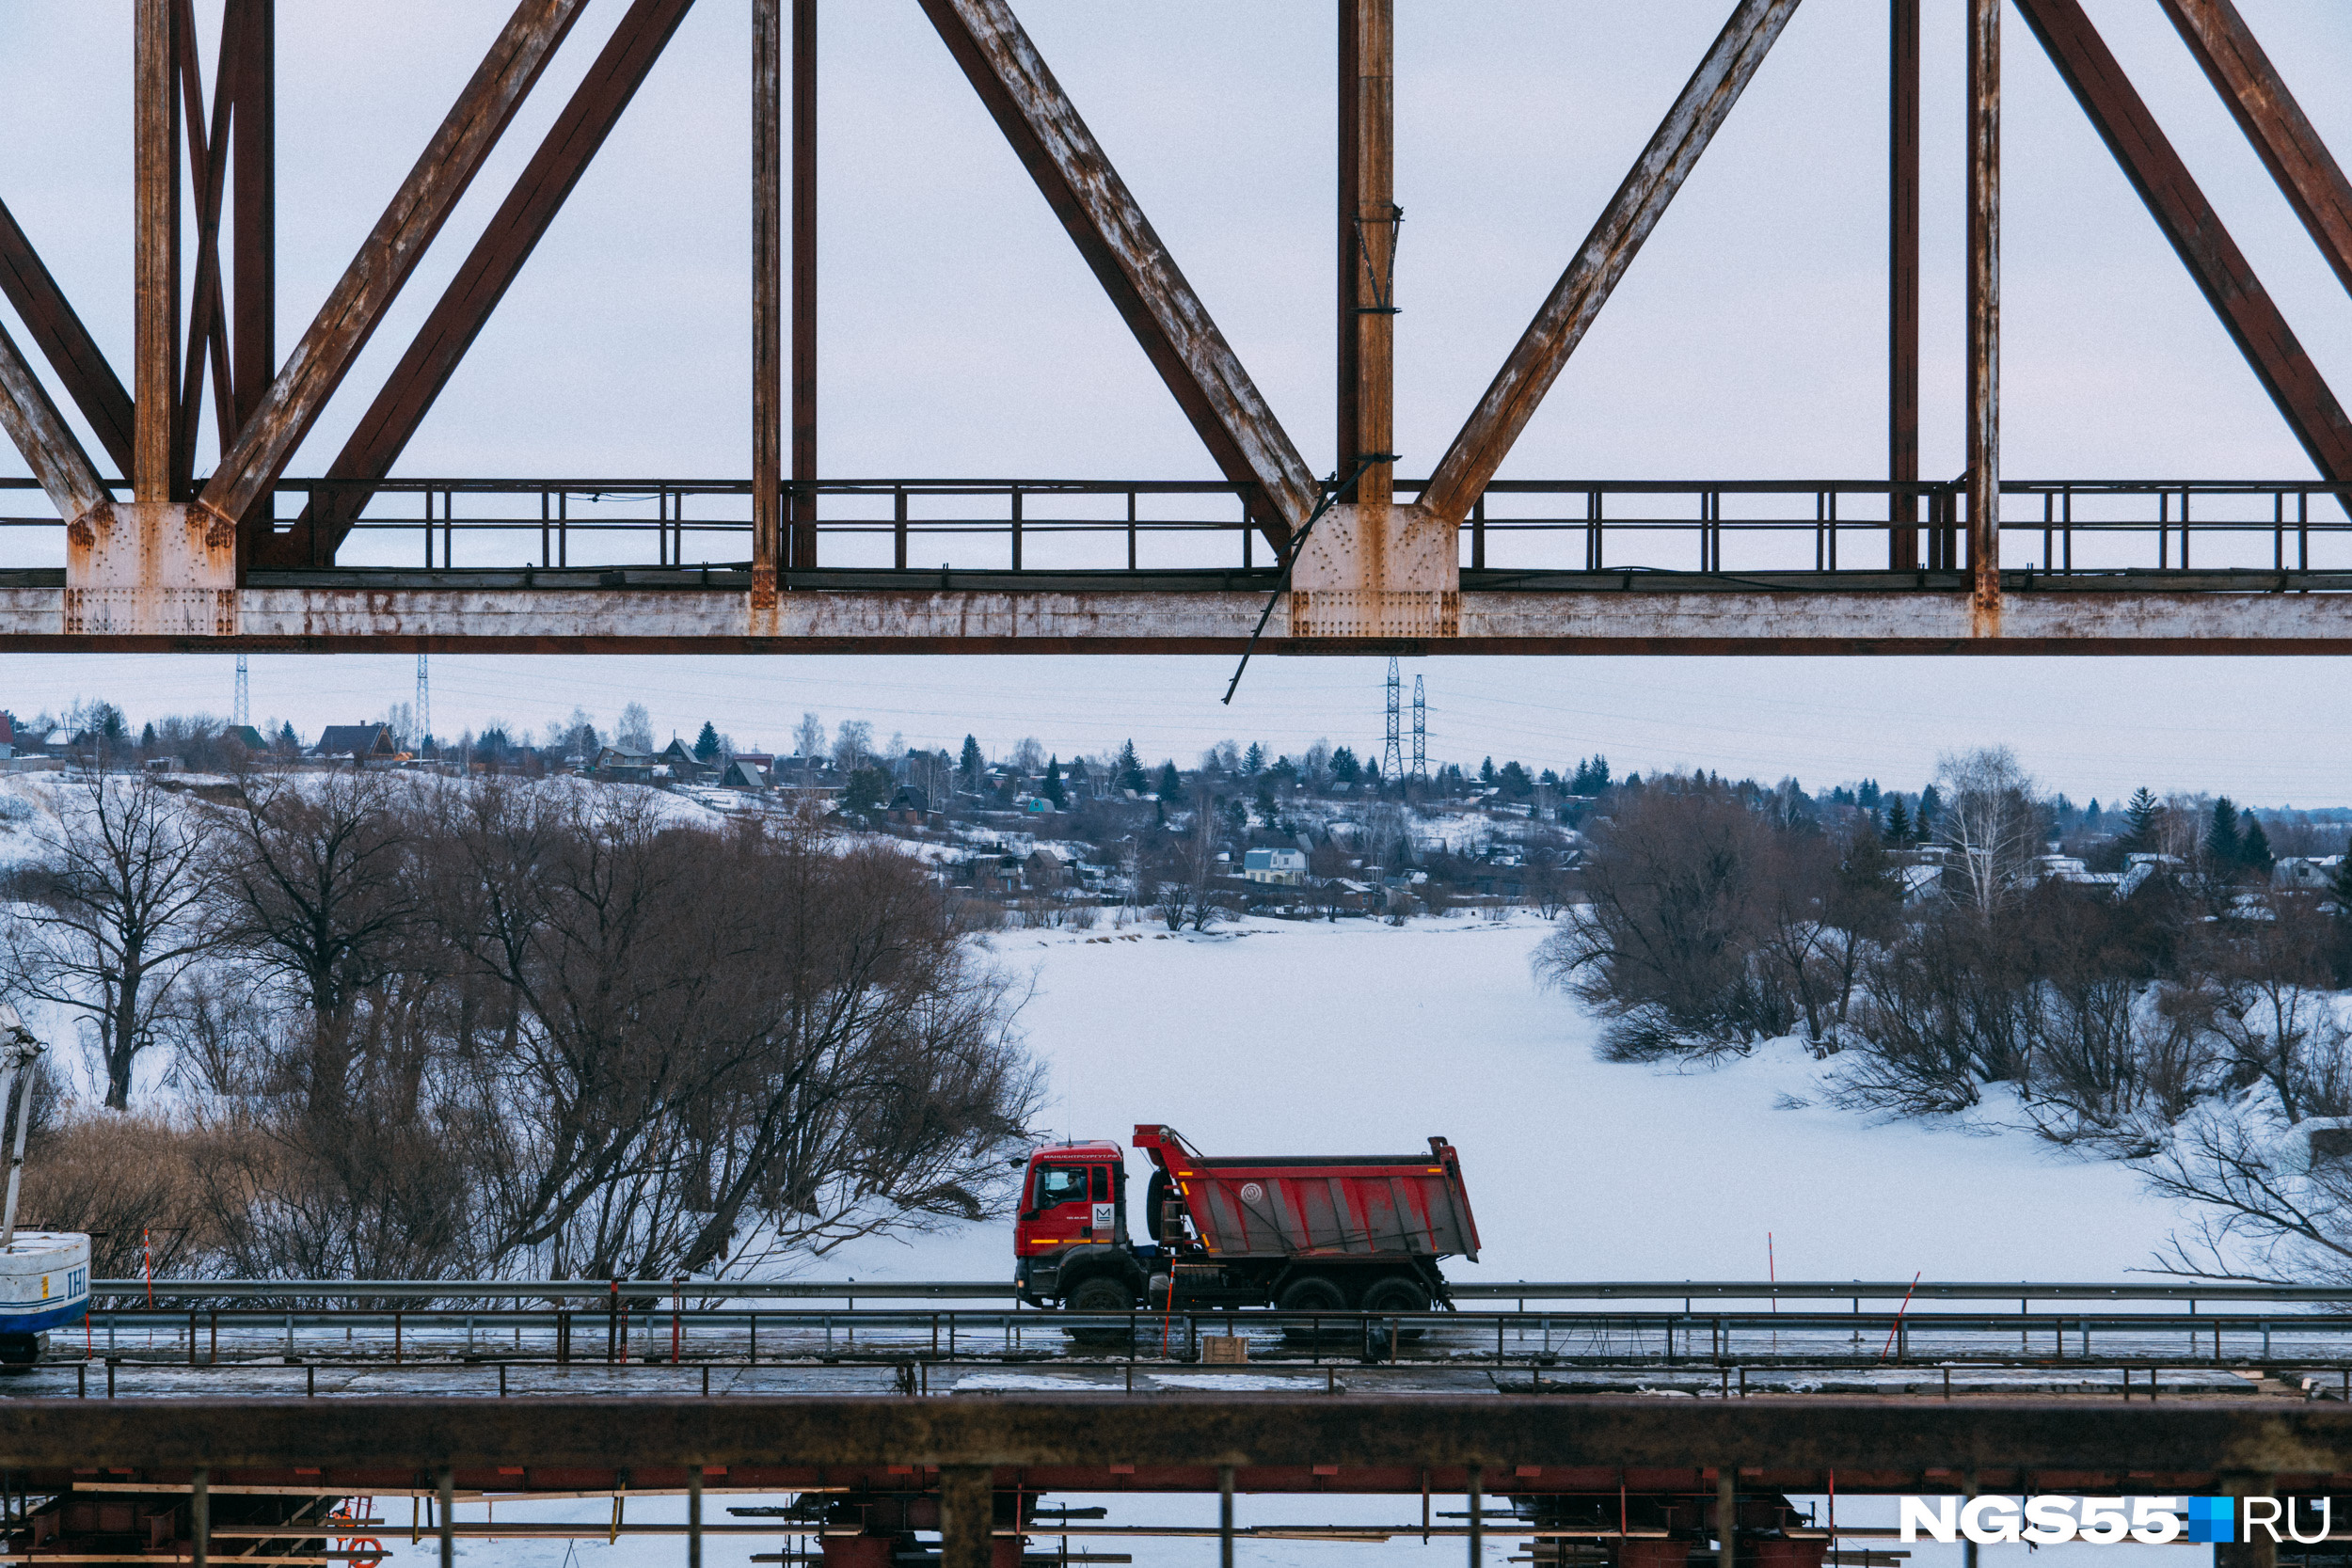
x,y
159,557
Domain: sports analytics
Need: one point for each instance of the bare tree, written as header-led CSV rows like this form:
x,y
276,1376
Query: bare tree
x,y
122,888
1990,822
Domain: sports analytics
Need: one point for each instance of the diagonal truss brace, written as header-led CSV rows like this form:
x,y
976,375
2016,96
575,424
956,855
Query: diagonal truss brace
x,y
268,442
489,270
2189,221
1134,268
59,333
2309,175
1576,299
66,476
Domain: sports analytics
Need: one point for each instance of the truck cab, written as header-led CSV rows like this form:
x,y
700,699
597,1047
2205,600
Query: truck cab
x,y
1070,1232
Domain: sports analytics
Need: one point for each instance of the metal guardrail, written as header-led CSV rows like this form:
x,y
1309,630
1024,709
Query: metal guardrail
x,y
901,525
2187,1292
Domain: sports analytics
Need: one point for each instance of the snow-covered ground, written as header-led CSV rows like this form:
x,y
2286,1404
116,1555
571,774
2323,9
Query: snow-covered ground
x,y
1362,1038
1274,1036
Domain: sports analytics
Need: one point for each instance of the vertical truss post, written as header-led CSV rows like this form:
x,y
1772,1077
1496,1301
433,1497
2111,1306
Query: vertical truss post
x,y
253,218
767,297
803,283
967,1516
1985,310
1346,267
1903,303
155,319
1371,239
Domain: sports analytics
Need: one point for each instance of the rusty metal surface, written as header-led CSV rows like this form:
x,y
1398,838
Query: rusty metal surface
x,y
1275,1442
253,310
1372,142
767,302
803,284
2196,231
1134,268
55,330
496,259
2308,174
1593,614
208,174
1902,274
31,419
155,250
367,289
1984,315
1576,299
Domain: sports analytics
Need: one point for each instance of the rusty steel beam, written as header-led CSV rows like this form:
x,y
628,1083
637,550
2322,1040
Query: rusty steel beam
x,y
2245,612
66,476
1344,264
65,342
1371,264
1576,299
1985,308
208,311
2189,222
1275,1442
240,487
488,271
1133,267
254,218
2308,174
803,284
155,250
1902,285
767,300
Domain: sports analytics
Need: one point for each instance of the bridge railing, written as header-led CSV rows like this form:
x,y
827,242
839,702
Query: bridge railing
x,y
921,526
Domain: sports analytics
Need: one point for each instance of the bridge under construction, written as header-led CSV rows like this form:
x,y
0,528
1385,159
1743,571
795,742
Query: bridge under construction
x,y
159,557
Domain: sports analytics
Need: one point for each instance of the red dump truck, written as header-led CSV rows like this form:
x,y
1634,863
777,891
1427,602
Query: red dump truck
x,y
1304,1233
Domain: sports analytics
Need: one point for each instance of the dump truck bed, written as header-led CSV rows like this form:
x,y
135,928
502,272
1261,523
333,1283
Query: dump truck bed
x,y
1345,1206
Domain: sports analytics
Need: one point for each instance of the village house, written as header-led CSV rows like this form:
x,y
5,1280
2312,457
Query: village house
x,y
1280,867
361,745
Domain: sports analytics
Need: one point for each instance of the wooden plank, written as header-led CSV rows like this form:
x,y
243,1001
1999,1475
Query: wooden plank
x,y
1576,299
349,317
2240,69
66,476
1128,259
81,365
488,271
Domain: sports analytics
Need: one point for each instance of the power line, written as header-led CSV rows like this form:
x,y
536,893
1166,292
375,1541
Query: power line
x,y
424,705
243,706
1420,733
1391,756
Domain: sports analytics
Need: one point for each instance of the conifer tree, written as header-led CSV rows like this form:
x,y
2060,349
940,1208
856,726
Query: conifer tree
x,y
1897,821
1344,767
971,765
707,743
1128,770
1172,783
1052,788
1253,761
2224,849
2144,811
1930,807
2253,849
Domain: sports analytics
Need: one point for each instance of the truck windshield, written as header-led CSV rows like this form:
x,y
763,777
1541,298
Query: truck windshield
x,y
1059,1184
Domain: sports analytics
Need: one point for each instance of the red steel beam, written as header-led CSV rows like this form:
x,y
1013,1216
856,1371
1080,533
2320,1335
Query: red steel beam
x,y
65,342
488,271
1168,318
2308,174
254,217
2189,221
240,488
1576,299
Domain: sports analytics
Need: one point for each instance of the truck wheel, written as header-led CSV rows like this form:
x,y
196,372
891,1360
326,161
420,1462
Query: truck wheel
x,y
1394,1294
1311,1293
1108,1297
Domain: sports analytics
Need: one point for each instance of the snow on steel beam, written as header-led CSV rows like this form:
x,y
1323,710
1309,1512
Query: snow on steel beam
x,y
2308,174
2189,221
1134,268
1576,300
65,342
360,301
489,270
64,471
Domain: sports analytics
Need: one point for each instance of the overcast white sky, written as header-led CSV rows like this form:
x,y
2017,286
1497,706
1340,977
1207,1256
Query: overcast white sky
x,y
963,336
